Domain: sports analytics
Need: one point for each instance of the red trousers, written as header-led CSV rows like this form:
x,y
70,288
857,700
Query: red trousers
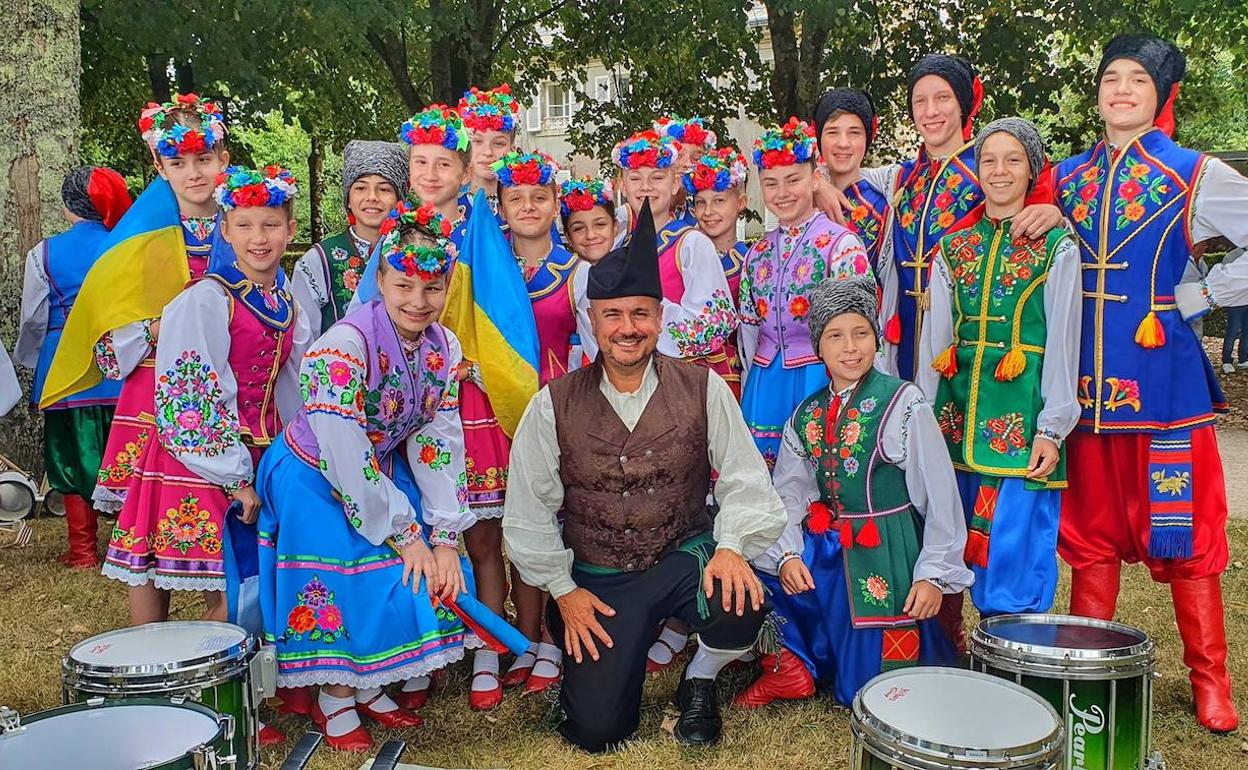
x,y
1105,510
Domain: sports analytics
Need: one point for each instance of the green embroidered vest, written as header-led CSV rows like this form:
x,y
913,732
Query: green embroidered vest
x,y
987,408
880,532
343,267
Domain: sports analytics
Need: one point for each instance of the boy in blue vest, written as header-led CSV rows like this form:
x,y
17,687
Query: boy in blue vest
x,y
1146,481
75,429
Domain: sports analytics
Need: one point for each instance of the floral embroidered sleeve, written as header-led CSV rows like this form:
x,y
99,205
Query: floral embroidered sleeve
x,y
436,456
751,306
703,321
334,380
847,258
307,285
794,479
196,393
120,351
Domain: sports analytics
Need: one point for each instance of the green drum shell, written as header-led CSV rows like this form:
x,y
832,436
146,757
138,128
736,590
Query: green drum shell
x,y
874,744
218,680
1114,685
212,754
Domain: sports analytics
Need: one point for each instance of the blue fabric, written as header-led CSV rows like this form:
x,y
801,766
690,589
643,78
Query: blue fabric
x,y
771,395
67,259
817,627
1022,547
1236,329
242,572
312,559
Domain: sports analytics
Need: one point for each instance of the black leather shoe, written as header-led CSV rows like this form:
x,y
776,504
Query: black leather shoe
x,y
699,723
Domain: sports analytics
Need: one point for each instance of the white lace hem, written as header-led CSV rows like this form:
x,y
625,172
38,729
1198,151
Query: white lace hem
x,y
419,668
486,512
106,500
163,582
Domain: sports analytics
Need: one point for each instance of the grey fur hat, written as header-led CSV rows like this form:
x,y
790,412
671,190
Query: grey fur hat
x,y
362,157
1027,135
837,297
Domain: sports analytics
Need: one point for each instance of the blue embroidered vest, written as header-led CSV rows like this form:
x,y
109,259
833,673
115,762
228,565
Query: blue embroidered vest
x,y
868,218
1141,367
934,197
66,259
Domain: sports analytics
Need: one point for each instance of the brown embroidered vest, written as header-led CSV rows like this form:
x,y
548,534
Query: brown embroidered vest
x,y
630,498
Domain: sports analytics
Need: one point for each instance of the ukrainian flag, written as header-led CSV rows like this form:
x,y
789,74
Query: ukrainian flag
x,y
488,308
142,266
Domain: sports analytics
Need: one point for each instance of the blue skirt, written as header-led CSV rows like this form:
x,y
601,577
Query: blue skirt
x,y
334,603
1022,547
772,393
817,627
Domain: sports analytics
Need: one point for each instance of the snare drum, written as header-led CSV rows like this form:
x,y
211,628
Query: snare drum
x,y
202,661
149,733
927,718
1096,673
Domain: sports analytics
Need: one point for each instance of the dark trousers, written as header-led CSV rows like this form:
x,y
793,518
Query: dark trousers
x,y
601,698
1236,329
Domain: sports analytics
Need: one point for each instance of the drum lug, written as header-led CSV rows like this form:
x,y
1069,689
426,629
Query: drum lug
x,y
204,758
180,699
10,720
263,668
227,725
98,700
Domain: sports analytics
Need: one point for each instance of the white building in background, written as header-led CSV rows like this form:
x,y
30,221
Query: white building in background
x,y
547,119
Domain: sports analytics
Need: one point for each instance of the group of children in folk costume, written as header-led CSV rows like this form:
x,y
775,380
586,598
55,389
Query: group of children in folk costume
x,y
955,271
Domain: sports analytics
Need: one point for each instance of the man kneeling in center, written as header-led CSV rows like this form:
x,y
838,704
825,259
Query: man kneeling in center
x,y
624,450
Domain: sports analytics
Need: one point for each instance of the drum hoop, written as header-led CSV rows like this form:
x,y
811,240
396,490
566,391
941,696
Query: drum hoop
x,y
1065,662
877,733
221,664
171,683
218,738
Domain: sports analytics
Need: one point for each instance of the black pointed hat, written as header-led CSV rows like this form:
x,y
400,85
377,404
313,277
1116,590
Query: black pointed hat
x,y
631,270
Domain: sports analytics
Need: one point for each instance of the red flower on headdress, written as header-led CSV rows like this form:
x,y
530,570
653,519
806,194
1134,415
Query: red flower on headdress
x,y
146,123
192,143
694,134
704,177
526,173
251,195
188,99
644,159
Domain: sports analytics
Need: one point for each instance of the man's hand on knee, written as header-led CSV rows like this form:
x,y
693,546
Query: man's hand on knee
x,y
579,609
737,578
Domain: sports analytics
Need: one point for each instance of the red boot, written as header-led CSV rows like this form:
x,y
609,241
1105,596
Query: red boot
x,y
80,522
785,679
1201,618
1094,590
296,700
950,619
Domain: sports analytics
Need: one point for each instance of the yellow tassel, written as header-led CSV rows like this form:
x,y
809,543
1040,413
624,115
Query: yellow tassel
x,y
947,362
1150,333
1012,365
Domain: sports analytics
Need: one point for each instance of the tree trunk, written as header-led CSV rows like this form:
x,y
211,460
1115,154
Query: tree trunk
x,y
785,65
158,77
316,165
39,69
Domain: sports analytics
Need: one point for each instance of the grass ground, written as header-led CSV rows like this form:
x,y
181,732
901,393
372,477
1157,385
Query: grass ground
x,y
44,609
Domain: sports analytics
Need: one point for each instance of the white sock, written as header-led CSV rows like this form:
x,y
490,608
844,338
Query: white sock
x,y
548,659
708,662
382,705
484,661
345,722
417,684
524,659
660,653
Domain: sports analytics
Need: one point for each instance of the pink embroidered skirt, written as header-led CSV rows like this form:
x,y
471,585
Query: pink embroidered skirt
x,y
133,429
486,448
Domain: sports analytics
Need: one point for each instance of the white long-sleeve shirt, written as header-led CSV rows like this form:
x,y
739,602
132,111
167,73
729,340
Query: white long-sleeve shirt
x,y
1220,208
33,321
911,440
349,462
195,344
1063,312
751,515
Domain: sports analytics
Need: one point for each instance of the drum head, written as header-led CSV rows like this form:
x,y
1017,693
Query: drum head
x,y
1062,633
115,737
932,711
1062,646
158,644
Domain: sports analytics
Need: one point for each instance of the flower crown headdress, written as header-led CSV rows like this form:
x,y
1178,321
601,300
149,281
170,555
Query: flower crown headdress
x,y
525,168
690,131
492,110
417,260
645,149
168,138
786,145
583,194
718,170
436,124
239,187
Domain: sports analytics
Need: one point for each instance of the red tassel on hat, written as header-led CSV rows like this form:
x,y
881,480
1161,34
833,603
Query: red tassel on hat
x,y
977,101
107,191
819,517
351,219
869,535
1165,118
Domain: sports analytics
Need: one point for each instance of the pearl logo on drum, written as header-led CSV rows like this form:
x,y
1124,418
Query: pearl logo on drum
x,y
895,694
1080,724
